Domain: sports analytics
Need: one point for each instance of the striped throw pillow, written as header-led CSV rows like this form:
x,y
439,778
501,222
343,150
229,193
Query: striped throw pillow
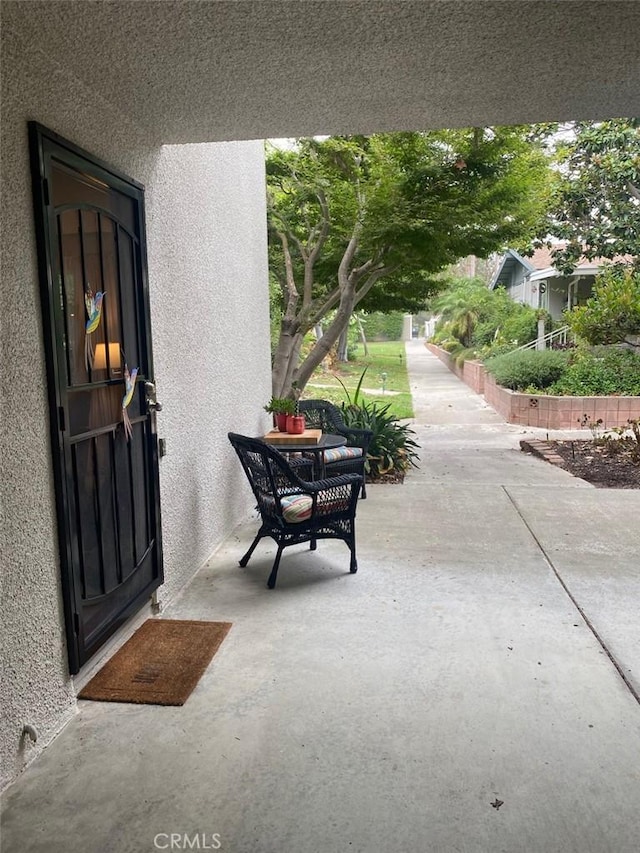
x,y
296,508
337,453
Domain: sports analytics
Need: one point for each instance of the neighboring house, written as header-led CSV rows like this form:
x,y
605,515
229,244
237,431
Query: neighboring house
x,y
536,282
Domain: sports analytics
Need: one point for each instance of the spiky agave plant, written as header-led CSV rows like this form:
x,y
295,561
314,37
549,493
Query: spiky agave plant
x,y
392,447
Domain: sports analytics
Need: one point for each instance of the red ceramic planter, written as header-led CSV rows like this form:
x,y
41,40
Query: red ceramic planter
x,y
281,421
295,424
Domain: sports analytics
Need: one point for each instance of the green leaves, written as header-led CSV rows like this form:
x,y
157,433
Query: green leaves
x,y
392,447
612,314
604,372
522,369
369,222
422,200
481,319
280,406
596,204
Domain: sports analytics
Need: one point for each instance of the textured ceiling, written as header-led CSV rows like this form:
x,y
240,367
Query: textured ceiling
x,y
211,70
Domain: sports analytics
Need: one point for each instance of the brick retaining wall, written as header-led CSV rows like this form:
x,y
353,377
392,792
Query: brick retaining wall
x,y
472,373
541,410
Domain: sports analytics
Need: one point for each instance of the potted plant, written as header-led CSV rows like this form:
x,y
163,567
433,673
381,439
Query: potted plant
x,y
295,421
281,408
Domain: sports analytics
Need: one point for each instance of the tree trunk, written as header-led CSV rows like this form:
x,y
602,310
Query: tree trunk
x,y
363,337
284,356
348,300
343,344
321,348
292,366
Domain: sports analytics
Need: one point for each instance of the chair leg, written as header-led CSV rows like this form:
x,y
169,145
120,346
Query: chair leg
x,y
313,545
247,556
274,571
363,493
353,567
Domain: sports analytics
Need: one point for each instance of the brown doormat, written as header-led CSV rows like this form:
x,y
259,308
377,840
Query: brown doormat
x,y
160,664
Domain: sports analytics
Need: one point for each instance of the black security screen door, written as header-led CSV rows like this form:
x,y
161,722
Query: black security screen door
x,y
90,223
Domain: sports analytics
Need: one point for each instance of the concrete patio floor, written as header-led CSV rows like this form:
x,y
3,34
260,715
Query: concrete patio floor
x,y
471,660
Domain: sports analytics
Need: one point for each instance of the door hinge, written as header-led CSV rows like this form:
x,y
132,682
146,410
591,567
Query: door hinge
x,y
76,623
45,191
61,418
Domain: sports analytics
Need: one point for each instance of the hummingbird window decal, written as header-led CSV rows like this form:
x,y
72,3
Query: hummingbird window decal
x,y
129,384
93,304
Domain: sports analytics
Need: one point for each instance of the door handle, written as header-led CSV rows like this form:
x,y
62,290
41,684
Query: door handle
x,y
150,394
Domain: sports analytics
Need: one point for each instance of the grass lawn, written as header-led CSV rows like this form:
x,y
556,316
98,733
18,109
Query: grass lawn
x,y
384,357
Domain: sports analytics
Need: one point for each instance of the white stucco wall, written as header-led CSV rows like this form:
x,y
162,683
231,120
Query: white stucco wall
x,y
208,284
210,321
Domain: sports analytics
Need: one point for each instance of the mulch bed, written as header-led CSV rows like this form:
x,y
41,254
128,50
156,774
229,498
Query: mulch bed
x,y
391,477
598,462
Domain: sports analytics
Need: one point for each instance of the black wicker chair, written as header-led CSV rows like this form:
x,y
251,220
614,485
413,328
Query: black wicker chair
x,y
294,510
321,414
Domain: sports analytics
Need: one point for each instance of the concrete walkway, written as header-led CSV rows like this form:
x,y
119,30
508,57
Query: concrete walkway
x,y
476,658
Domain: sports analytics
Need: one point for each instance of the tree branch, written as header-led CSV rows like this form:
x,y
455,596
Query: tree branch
x,y
375,276
633,190
290,291
324,307
301,248
324,229
312,255
349,253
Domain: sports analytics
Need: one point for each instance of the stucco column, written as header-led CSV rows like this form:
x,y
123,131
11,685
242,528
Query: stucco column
x,y
407,327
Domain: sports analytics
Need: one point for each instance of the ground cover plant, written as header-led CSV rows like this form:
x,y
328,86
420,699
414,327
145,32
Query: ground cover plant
x,y
603,371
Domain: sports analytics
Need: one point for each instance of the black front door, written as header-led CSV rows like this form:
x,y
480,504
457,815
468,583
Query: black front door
x,y
91,244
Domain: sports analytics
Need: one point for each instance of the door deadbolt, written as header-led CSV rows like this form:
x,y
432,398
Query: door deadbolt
x,y
152,403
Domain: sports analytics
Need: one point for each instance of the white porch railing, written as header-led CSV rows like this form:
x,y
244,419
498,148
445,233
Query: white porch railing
x,y
557,336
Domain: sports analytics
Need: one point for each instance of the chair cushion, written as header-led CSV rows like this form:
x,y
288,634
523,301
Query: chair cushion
x,y
338,453
296,508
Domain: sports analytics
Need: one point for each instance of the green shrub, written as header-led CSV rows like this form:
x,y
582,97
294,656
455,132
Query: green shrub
x,y
463,354
386,327
601,372
522,325
483,320
612,313
392,447
523,368
496,349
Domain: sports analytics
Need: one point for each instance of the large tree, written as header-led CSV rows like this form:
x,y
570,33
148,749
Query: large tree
x,y
596,205
369,221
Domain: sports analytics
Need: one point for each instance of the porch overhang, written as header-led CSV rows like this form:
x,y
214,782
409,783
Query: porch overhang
x,y
552,272
212,71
